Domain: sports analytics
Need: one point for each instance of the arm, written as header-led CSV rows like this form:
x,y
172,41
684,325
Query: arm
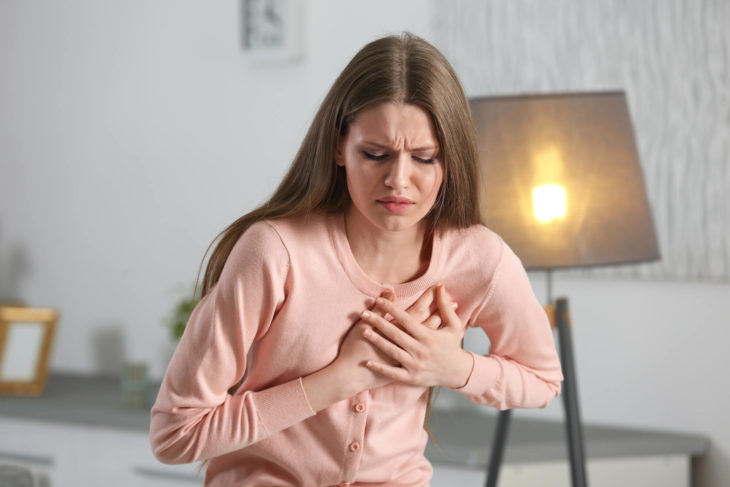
x,y
522,368
345,376
194,417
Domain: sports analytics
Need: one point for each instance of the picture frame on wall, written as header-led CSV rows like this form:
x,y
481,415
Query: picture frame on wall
x,y
26,337
272,30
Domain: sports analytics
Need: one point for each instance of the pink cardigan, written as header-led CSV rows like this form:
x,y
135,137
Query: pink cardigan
x,y
287,296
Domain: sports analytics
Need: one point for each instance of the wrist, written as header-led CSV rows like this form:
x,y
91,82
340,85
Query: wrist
x,y
464,370
343,379
326,387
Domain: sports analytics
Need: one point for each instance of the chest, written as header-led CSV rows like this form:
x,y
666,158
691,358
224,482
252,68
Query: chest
x,y
308,329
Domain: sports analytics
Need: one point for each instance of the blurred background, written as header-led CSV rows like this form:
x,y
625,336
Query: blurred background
x,y
131,133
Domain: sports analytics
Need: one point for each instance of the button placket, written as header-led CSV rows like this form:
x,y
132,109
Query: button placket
x,y
355,445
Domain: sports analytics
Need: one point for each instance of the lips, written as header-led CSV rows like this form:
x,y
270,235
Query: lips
x,y
396,204
395,199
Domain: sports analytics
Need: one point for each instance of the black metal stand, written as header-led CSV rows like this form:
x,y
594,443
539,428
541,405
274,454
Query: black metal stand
x,y
573,424
500,438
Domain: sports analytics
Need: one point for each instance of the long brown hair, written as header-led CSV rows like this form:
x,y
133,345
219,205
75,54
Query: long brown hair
x,y
400,69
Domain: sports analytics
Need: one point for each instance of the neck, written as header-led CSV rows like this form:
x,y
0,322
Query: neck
x,y
389,257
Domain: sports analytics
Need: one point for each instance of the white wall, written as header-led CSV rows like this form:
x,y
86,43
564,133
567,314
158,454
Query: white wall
x,y
131,133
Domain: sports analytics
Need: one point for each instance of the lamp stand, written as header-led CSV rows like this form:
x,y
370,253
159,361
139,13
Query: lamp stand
x,y
560,319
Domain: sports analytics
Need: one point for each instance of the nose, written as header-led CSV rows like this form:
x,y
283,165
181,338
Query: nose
x,y
399,173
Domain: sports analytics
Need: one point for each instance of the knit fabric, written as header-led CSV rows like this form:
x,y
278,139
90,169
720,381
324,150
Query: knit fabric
x,y
288,294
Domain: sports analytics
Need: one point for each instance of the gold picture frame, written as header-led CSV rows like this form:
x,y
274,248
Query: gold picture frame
x,y
26,336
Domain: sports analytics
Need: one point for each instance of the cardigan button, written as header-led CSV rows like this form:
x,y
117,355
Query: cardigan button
x,y
354,446
359,407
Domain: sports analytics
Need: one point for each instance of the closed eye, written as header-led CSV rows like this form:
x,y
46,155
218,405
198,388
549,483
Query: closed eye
x,y
424,160
374,157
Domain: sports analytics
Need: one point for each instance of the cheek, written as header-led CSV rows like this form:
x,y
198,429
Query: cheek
x,y
357,183
435,180
362,176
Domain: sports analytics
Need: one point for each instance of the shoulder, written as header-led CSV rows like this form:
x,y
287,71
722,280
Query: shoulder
x,y
259,246
281,231
474,234
477,249
311,223
474,242
306,231
481,258
258,236
283,237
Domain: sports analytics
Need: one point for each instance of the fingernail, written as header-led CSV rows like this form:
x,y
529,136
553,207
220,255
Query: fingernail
x,y
379,300
366,333
366,314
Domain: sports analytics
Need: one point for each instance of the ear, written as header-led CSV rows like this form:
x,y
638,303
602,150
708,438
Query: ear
x,y
339,155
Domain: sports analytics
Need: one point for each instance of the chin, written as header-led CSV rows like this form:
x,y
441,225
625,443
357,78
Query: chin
x,y
397,223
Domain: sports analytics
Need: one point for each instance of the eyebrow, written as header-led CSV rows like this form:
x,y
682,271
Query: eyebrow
x,y
415,149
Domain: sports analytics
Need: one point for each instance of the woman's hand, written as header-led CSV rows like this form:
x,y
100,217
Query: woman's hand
x,y
427,356
348,374
355,351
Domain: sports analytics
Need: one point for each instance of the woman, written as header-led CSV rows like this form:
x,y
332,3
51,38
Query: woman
x,y
293,369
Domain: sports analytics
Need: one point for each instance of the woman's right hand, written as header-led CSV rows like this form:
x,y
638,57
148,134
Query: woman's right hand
x,y
347,375
355,350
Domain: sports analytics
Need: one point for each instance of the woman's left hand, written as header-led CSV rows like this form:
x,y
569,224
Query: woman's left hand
x,y
427,357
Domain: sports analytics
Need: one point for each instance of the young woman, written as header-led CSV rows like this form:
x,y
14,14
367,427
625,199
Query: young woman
x,y
330,311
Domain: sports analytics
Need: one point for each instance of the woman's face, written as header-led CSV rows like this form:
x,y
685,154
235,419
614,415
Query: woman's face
x,y
393,165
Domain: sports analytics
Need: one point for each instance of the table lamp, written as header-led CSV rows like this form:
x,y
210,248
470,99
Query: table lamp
x,y
560,181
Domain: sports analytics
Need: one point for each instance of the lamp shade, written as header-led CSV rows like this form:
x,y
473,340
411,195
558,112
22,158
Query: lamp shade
x,y
560,179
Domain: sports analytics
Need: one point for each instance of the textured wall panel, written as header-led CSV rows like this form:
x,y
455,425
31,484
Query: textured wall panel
x,y
672,57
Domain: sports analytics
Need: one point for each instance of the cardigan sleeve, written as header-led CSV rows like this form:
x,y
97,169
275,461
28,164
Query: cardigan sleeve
x,y
522,369
194,416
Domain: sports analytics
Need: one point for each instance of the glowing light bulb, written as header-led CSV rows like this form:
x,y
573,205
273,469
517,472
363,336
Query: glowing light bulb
x,y
549,202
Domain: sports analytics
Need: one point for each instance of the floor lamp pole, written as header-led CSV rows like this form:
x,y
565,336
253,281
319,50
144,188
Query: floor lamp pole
x,y
573,424
560,319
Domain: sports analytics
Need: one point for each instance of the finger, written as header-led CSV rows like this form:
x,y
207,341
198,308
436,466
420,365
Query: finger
x,y
421,308
447,308
410,325
391,331
387,347
395,373
433,321
387,294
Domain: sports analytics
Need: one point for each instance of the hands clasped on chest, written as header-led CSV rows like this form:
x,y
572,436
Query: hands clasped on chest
x,y
414,346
